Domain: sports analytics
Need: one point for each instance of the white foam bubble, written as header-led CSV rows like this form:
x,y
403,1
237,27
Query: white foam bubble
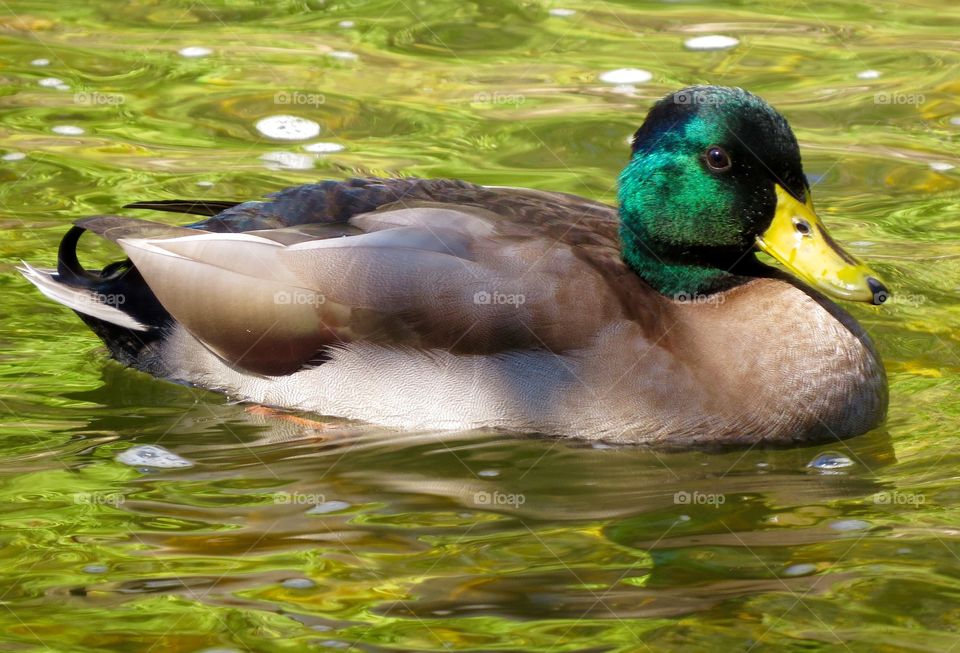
x,y
51,82
561,12
328,506
195,51
343,55
40,62
711,42
324,148
623,76
829,461
624,89
801,569
850,525
152,455
868,74
288,128
346,24
14,156
288,161
941,166
68,130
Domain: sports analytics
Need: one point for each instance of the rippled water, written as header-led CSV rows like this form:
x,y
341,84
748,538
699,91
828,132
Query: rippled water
x,y
270,542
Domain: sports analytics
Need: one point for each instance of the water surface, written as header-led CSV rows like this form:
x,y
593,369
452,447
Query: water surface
x,y
479,542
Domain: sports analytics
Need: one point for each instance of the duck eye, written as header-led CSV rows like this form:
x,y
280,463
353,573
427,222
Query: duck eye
x,y
717,159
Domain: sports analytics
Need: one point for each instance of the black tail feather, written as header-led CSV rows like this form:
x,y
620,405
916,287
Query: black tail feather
x,y
193,207
121,285
68,266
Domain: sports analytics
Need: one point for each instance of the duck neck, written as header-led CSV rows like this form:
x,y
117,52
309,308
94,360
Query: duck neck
x,y
696,273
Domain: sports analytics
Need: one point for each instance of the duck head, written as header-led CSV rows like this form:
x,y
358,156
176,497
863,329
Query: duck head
x,y
715,176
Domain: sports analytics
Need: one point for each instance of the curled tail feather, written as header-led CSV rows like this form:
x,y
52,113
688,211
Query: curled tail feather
x,y
114,302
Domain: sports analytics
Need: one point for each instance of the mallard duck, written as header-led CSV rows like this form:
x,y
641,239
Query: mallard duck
x,y
440,304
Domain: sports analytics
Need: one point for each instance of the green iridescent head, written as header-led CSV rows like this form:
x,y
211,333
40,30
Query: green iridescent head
x,y
716,175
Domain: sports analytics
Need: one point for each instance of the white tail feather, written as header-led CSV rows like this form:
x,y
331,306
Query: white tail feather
x,y
82,300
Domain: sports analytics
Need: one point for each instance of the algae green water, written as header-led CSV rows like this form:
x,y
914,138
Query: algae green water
x,y
478,542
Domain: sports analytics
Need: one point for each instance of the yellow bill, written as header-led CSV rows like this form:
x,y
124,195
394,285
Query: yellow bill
x,y
798,239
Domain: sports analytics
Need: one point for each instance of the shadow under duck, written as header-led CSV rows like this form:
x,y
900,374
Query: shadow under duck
x,y
441,304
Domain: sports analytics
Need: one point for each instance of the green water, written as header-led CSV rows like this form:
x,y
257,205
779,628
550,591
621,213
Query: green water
x,y
396,544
